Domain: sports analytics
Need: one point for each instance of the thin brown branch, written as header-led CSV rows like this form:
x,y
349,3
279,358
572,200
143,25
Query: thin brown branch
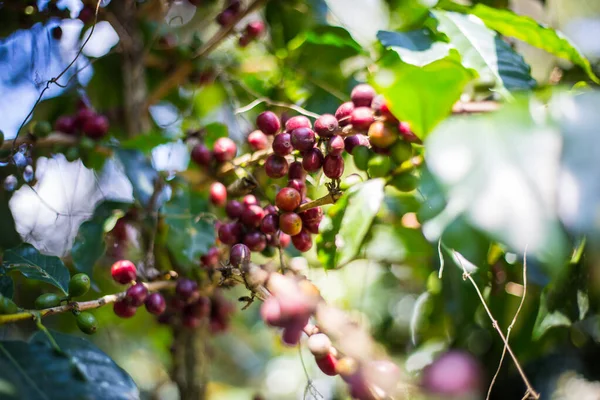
x,y
80,306
243,161
54,139
329,198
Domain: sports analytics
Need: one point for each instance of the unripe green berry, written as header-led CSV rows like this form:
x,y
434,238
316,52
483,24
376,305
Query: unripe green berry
x,y
379,166
42,129
47,300
405,182
72,154
7,306
79,285
361,156
401,152
87,323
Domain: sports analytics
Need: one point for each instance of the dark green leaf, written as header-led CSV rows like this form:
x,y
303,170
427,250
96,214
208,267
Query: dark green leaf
x,y
27,260
328,229
88,247
38,371
213,131
417,47
9,237
145,143
546,320
6,286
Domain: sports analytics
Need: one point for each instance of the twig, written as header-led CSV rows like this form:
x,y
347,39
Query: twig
x,y
329,198
244,160
54,139
512,324
270,102
475,107
80,306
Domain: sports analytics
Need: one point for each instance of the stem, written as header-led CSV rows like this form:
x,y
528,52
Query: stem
x,y
190,362
243,161
84,305
54,139
329,198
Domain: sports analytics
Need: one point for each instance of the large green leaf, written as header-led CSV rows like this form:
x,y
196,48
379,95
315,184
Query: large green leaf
x,y
348,223
27,260
396,244
145,143
547,319
417,47
528,30
422,96
38,371
483,51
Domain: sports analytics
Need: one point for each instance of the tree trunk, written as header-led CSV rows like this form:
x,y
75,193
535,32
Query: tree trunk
x,y
190,362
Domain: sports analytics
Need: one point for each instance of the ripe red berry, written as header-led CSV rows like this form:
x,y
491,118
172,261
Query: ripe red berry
x,y
291,334
123,309
284,240
234,209
333,166
123,271
66,124
155,304
302,241
453,374
96,127
312,227
312,214
255,29
239,256
218,194
407,133
234,5
224,149
268,122
269,224
201,155
199,308
258,140
350,142
211,258
252,216
335,145
136,294
276,166
342,114
282,144
299,185
226,17
296,171
382,108
312,160
83,115
250,200
271,209
326,125
190,321
303,139
362,95
361,118
230,233
327,364
381,135
290,223
255,240
299,121
270,312
288,199
244,40
186,288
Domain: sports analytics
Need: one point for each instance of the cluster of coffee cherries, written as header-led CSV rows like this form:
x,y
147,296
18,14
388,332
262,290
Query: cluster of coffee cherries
x,y
22,162
86,121
125,272
227,17
224,149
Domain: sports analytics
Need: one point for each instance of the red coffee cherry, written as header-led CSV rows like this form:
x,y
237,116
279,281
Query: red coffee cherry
x,y
186,289
355,140
302,241
201,155
381,135
312,160
155,304
333,166
382,108
136,294
123,309
83,115
250,200
282,144
269,224
327,364
96,127
218,194
299,121
255,240
407,133
299,185
284,240
271,209
362,95
335,145
229,233
276,166
342,114
123,271
288,199
211,258
326,125
234,209
361,118
303,139
255,28
226,17
199,309
253,215
296,171
224,149
66,124
290,223
268,122
239,256
258,140
312,215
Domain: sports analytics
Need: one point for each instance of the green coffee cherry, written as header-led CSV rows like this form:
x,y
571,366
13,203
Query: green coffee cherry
x,y
401,152
47,300
269,251
42,129
86,143
361,156
79,285
87,323
72,154
7,306
379,166
405,182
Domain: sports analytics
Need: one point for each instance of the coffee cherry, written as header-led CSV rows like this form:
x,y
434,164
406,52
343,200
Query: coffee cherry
x,y
335,145
297,122
66,124
288,199
226,17
250,200
351,142
401,152
239,256
342,114
255,240
303,139
311,219
255,28
362,95
270,312
79,285
296,171
155,304
201,155
361,156
218,194
86,15
379,166
258,140
199,309
229,233
327,364
87,323
269,224
319,345
276,166
290,223
268,122
234,209
123,309
312,160
361,118
41,129
326,125
282,144
271,209
186,288
302,241
47,300
292,334
234,5
56,33
7,306
244,40
382,108
333,166
298,185
28,174
136,294
405,182
252,216
284,239
83,115
211,258
381,135
407,133
96,127
453,374
10,183
224,149
123,271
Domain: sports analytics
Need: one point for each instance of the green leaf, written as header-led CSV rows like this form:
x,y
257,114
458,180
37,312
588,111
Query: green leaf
x,y
483,51
6,286
422,96
348,222
546,320
214,131
190,234
396,244
38,371
27,260
363,21
529,31
145,143
416,47
324,47
9,237
88,247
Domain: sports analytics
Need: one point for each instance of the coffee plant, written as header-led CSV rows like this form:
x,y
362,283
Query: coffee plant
x,y
322,199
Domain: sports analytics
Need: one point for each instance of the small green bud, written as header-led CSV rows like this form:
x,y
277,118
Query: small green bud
x,y
42,129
